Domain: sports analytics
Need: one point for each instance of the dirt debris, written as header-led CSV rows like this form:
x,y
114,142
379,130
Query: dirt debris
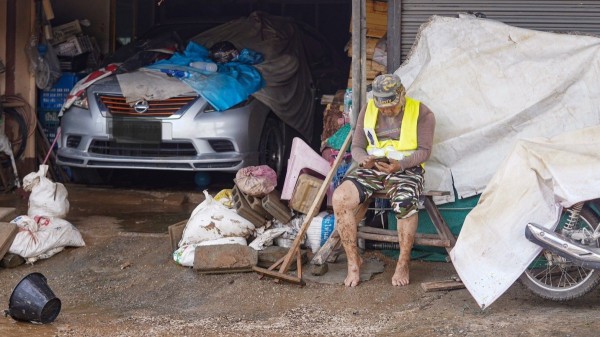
x,y
125,283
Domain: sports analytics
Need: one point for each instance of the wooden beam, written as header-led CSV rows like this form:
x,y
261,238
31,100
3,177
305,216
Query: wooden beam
x,y
359,58
394,36
278,275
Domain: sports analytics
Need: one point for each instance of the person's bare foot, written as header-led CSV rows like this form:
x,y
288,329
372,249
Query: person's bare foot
x,y
353,278
400,277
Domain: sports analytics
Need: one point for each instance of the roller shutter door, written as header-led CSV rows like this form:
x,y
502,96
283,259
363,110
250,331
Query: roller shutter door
x,y
546,15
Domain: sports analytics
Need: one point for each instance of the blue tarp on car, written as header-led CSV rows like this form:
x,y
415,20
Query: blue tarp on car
x,y
231,84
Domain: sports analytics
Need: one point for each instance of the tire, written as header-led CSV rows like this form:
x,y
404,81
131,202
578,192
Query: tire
x,y
562,281
90,176
271,148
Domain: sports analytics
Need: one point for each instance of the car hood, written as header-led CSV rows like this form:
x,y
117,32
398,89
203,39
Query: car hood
x,y
142,84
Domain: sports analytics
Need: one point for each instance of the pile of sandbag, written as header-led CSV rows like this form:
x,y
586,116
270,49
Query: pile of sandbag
x,y
43,232
227,219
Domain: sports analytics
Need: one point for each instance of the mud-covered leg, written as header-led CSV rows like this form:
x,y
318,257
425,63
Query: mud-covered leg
x,y
406,188
407,228
345,202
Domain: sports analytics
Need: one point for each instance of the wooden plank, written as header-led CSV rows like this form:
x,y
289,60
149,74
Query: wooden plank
x,y
440,224
279,275
442,285
324,252
419,239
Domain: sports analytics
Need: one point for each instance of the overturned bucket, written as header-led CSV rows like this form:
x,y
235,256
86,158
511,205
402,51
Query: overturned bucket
x,y
33,300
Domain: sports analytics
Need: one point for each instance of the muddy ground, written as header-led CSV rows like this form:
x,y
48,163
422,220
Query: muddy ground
x,y
124,283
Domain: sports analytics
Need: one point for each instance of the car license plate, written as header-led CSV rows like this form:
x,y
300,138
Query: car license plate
x,y
135,131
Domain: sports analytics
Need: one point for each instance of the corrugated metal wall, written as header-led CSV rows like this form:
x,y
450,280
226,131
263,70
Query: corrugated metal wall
x,y
546,15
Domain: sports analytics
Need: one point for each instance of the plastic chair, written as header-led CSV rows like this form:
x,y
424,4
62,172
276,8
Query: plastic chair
x,y
302,157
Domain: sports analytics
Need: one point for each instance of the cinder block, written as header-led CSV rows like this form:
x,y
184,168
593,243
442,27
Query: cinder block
x,y
176,233
272,204
256,205
224,259
8,231
243,208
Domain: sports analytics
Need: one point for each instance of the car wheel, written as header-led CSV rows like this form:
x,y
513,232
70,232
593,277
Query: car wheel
x,y
271,148
89,176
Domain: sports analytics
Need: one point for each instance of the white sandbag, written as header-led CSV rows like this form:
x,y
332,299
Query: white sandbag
x,y
47,197
40,235
184,255
266,238
212,220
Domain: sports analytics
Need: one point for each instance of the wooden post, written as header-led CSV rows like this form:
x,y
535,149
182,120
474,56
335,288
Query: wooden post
x,y
394,35
359,58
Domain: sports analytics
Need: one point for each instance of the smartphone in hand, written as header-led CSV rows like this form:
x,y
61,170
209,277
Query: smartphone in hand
x,y
382,160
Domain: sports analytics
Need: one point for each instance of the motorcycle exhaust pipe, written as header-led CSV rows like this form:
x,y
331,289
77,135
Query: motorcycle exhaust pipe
x,y
584,256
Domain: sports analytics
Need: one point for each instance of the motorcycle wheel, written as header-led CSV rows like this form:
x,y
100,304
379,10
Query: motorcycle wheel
x,y
561,280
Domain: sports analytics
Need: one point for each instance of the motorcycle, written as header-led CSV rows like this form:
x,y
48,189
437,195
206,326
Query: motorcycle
x,y
569,265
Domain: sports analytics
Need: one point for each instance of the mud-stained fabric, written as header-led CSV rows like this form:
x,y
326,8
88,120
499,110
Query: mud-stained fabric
x,y
403,188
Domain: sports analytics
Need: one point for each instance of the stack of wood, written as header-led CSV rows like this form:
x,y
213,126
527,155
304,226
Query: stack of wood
x,y
376,29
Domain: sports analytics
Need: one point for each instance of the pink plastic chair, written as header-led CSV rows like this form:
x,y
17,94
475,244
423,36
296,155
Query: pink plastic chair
x,y
302,158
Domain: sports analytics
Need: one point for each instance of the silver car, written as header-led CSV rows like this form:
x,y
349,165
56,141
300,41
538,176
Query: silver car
x,y
101,132
192,135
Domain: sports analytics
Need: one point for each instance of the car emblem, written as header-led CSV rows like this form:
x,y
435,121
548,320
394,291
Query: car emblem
x,y
141,106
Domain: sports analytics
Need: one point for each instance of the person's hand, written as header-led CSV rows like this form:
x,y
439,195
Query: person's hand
x,y
368,162
389,168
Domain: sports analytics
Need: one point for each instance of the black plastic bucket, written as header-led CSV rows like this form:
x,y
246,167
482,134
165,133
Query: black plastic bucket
x,y
33,301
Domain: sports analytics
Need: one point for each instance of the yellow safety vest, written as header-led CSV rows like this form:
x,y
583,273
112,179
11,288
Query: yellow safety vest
x,y
393,149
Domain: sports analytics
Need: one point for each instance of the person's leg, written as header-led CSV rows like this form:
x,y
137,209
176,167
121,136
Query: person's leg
x,y
356,189
407,228
345,201
405,188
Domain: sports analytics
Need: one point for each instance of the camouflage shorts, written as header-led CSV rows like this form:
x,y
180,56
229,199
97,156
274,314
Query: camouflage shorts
x,y
402,188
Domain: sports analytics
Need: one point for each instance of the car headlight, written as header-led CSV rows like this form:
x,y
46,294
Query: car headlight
x,y
82,102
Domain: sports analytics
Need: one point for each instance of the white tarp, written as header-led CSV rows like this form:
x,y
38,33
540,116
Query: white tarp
x,y
531,185
495,88
490,84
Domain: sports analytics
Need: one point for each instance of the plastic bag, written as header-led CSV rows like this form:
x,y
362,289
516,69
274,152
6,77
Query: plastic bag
x,y
380,53
225,197
40,237
212,220
256,181
47,197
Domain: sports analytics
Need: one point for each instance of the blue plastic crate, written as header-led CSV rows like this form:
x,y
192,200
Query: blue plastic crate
x,y
49,122
54,98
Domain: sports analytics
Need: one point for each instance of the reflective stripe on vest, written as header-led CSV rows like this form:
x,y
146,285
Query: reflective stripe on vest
x,y
394,149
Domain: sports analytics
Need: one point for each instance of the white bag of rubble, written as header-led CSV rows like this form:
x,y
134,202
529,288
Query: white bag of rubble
x,y
40,237
47,197
212,220
185,255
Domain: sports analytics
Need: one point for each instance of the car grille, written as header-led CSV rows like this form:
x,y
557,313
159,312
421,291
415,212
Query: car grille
x,y
117,106
179,149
